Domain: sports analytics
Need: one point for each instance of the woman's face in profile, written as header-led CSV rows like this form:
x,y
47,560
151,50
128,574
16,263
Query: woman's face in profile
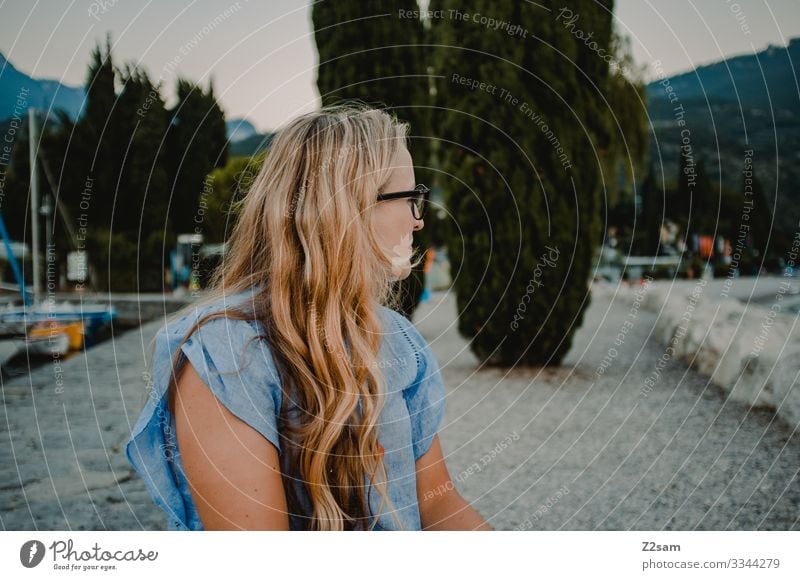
x,y
395,222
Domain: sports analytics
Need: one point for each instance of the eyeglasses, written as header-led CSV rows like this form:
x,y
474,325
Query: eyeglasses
x,y
417,196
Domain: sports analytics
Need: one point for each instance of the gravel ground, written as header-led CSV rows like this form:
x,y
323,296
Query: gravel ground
x,y
531,448
62,453
607,453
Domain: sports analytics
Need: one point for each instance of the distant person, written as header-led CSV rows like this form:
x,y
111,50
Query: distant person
x,y
292,397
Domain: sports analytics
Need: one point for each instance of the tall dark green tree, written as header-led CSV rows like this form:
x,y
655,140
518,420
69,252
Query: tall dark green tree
x,y
680,206
624,162
694,204
705,205
142,188
16,201
121,204
376,53
196,144
524,160
651,218
114,169
77,162
99,144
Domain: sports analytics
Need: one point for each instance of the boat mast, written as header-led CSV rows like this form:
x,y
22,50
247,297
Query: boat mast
x,y
33,139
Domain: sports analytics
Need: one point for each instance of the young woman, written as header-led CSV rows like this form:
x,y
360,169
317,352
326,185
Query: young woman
x,y
292,397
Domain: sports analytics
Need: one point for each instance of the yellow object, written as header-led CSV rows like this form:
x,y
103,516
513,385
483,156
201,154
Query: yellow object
x,y
73,330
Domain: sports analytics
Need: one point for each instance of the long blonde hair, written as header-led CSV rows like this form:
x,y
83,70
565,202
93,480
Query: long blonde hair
x,y
305,236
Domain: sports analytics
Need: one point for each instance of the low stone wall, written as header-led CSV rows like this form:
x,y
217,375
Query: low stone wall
x,y
751,351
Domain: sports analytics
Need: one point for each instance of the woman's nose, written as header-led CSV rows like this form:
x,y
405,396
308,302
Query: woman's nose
x,y
419,224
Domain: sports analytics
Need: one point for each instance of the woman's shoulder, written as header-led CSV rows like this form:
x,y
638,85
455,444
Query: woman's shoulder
x,y
218,314
239,371
399,328
216,338
228,353
404,346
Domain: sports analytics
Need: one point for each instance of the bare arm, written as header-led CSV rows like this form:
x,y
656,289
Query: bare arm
x,y
233,471
441,507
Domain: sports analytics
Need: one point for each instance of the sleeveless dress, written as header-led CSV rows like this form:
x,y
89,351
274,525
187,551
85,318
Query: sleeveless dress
x,y
240,371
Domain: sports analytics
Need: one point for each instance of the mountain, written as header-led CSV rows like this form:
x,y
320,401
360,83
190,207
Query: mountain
x,y
245,140
18,91
740,78
251,145
239,130
742,103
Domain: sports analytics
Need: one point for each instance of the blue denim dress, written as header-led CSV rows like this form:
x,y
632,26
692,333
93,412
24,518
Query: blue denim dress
x,y
241,372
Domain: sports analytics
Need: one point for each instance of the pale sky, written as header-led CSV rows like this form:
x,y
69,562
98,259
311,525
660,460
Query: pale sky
x,y
261,54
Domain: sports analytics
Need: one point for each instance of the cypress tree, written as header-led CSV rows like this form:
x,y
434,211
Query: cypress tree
x,y
79,163
375,53
651,218
626,97
142,189
524,154
196,144
705,205
681,203
115,166
16,199
98,151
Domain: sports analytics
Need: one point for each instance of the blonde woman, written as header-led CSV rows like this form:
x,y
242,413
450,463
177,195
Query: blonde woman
x,y
292,397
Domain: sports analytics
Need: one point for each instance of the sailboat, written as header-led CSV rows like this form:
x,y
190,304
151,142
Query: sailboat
x,y
46,326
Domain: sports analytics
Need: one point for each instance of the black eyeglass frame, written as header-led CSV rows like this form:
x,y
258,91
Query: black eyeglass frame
x,y
419,192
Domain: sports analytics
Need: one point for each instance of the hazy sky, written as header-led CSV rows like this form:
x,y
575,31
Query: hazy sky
x,y
261,54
